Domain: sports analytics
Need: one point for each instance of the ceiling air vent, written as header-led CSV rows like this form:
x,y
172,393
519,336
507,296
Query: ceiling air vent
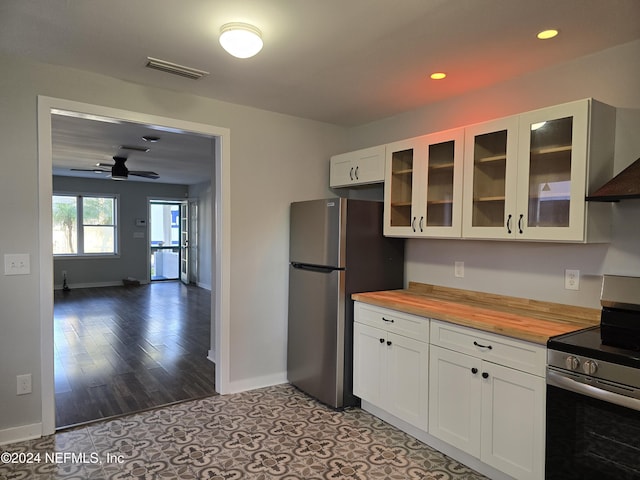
x,y
175,69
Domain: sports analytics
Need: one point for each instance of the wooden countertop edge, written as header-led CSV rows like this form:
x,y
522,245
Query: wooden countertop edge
x,y
523,324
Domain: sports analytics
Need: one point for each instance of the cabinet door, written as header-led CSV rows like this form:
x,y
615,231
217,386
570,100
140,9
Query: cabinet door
x,y
444,163
404,204
341,170
369,349
406,388
454,402
513,419
552,172
369,165
490,179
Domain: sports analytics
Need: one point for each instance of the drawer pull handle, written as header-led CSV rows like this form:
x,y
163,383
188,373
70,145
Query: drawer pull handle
x,y
390,320
382,340
389,342
474,370
485,375
488,347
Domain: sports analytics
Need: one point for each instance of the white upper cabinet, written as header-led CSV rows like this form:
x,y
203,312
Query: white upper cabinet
x,y
526,176
357,168
490,179
423,186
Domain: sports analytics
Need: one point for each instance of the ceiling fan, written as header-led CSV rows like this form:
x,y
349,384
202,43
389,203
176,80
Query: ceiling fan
x,y
119,171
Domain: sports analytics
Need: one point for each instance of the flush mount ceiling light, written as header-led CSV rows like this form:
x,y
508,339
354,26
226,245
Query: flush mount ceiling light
x,y
547,34
438,75
240,39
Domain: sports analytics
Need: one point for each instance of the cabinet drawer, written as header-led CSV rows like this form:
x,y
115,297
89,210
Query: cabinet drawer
x,y
519,354
392,321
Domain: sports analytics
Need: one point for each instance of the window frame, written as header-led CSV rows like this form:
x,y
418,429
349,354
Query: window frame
x,y
80,225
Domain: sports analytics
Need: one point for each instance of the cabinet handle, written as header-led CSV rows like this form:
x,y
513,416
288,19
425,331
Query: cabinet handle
x,y
474,370
351,173
356,172
389,320
389,342
520,223
485,375
421,220
382,340
413,224
509,224
488,347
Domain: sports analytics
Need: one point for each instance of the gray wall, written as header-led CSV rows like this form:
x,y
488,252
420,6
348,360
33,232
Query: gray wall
x,y
275,159
132,258
523,269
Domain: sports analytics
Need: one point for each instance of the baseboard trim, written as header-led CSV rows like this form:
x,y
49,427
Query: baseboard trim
x,y
20,434
92,285
206,286
257,382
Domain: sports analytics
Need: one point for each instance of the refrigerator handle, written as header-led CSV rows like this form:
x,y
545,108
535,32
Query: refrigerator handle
x,y
313,268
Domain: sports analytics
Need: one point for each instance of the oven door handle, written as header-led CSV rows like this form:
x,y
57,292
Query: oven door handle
x,y
561,381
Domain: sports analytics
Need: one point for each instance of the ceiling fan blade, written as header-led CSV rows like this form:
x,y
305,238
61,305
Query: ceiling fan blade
x,y
95,170
141,173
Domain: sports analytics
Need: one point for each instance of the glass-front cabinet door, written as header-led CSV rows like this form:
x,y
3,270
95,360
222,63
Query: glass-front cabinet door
x,y
490,179
423,186
403,197
443,180
552,171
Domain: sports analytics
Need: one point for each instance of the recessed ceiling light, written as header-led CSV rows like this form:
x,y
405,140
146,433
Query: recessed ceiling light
x,y
547,34
438,75
241,39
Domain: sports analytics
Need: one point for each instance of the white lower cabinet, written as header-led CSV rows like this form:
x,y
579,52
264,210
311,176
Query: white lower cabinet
x,y
491,411
390,370
479,392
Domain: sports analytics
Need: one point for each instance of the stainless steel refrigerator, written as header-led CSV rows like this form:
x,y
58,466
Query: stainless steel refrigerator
x,y
336,248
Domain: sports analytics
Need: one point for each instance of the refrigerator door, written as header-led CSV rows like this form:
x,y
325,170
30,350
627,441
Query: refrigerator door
x,y
315,347
316,232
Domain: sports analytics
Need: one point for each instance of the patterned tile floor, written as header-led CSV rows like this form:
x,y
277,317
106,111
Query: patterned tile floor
x,y
270,433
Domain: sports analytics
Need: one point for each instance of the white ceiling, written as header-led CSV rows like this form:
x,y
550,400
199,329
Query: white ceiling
x,y
346,62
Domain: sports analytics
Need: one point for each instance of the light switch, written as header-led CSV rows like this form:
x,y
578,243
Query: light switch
x,y
17,264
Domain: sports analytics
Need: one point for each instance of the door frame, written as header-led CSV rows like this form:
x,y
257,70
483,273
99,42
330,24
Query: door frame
x,y
173,201
221,220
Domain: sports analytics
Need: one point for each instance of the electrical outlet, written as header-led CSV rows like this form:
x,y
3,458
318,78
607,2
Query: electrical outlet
x,y
572,279
458,269
24,384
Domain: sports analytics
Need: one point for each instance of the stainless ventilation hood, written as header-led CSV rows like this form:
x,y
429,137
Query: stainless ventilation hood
x,y
625,185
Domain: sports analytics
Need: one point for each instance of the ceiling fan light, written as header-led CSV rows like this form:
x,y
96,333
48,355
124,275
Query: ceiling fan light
x,y
240,39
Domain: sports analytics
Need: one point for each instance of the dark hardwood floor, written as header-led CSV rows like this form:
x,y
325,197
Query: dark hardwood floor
x,y
125,349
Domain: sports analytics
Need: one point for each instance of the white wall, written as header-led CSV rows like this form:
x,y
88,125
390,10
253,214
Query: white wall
x,y
275,159
204,193
532,270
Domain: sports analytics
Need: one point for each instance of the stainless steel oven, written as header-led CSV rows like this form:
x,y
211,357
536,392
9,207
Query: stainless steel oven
x,y
593,392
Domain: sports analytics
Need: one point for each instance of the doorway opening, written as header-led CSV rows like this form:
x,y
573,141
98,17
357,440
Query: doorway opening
x,y
167,234
220,245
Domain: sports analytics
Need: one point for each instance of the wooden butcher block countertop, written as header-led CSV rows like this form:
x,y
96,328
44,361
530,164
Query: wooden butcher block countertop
x,y
521,318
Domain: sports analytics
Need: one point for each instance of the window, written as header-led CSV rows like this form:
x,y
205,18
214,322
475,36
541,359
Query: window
x,y
84,225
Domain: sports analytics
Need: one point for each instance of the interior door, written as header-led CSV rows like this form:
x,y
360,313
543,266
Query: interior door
x,y
184,242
